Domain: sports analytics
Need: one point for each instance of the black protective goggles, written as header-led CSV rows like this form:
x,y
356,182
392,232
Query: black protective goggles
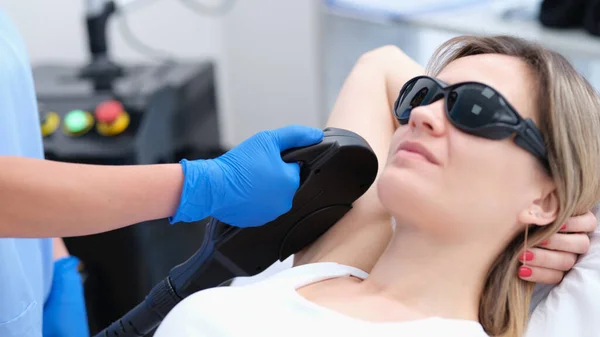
x,y
474,108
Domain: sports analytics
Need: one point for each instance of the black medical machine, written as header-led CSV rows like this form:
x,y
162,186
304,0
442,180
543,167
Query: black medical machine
x,y
109,113
334,173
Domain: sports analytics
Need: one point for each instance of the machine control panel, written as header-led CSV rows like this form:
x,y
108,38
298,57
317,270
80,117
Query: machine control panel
x,y
109,119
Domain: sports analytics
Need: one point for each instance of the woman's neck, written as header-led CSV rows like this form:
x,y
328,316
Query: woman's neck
x,y
430,277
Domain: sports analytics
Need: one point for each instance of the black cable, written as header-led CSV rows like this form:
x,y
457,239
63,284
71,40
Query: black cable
x,y
164,58
183,280
202,9
147,315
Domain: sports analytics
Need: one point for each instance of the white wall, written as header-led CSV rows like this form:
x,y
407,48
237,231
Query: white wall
x,y
56,30
267,52
271,68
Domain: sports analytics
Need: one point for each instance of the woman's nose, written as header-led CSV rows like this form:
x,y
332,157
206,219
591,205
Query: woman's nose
x,y
429,118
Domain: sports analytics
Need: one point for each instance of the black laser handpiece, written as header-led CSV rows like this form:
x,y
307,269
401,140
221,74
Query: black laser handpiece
x,y
334,173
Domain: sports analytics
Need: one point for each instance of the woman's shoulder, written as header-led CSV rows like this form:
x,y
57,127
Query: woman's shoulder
x,y
250,305
286,279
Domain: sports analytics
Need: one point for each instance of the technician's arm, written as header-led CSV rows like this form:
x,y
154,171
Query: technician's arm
x,y
44,198
249,185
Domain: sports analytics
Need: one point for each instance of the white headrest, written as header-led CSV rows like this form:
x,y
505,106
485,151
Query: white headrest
x,y
571,308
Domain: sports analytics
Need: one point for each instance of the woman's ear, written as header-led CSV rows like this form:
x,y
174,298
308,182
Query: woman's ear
x,y
542,211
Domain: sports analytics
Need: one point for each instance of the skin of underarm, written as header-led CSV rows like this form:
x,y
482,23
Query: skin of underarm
x,y
364,106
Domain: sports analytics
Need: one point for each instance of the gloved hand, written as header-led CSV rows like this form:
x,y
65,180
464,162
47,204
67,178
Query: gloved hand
x,y
248,186
64,310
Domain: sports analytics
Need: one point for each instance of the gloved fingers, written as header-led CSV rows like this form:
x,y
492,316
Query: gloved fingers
x,y
64,310
293,172
66,270
266,214
292,136
549,259
284,202
585,223
577,243
540,275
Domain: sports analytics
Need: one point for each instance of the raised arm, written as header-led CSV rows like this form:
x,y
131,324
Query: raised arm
x,y
364,106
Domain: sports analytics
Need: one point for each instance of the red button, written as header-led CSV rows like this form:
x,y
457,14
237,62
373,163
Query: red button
x,y
107,112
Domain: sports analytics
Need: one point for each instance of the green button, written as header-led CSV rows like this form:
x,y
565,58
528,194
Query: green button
x,y
77,121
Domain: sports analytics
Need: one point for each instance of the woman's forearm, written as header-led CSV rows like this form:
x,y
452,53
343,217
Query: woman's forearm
x,y
365,102
41,198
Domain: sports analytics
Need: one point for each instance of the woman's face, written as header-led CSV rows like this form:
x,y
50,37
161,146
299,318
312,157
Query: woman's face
x,y
474,187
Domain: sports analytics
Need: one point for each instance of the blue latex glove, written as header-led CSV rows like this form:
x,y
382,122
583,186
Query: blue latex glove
x,y
248,186
64,311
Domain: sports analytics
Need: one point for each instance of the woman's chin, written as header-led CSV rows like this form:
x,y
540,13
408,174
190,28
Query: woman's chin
x,y
413,200
405,197
396,185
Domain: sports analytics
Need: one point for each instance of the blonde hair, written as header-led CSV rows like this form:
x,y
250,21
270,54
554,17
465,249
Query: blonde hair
x,y
568,110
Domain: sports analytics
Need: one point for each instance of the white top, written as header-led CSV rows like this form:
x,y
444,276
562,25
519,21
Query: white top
x,y
272,307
